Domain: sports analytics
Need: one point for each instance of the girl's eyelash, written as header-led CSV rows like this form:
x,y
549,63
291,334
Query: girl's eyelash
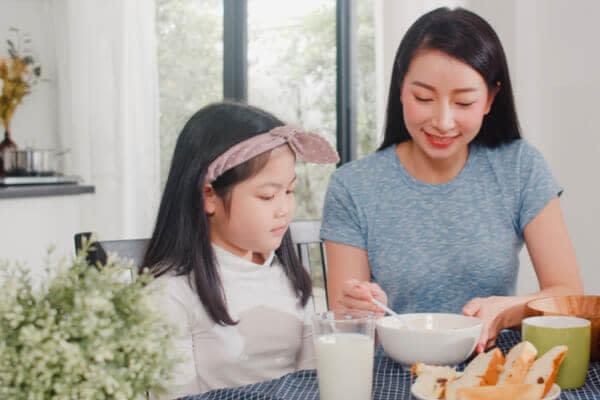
x,y
266,198
465,104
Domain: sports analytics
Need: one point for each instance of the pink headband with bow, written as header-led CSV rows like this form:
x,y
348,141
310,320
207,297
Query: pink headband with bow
x,y
307,145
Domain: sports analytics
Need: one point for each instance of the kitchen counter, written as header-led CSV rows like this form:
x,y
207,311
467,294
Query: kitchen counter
x,y
18,191
34,218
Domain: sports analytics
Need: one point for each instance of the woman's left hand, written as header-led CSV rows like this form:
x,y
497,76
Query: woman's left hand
x,y
493,311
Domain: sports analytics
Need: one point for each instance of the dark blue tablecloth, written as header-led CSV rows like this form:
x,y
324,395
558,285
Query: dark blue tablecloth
x,y
389,382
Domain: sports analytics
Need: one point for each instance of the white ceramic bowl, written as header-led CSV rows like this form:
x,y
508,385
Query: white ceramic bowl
x,y
435,339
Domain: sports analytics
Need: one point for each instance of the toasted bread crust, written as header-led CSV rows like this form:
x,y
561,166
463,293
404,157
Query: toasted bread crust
x,y
414,369
516,391
491,374
557,360
545,368
516,372
487,374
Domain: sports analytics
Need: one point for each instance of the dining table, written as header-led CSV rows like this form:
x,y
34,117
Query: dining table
x,y
390,381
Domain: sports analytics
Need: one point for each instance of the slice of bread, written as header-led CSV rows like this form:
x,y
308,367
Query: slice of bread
x,y
431,381
482,370
513,392
518,361
544,369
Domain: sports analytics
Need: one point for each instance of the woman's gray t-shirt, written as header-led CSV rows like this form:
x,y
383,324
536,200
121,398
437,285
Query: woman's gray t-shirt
x,y
433,247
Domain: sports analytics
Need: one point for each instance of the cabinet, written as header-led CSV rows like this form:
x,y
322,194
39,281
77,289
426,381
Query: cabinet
x,y
32,218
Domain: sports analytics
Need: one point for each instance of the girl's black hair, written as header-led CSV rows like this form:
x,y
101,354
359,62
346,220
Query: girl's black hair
x,y
181,241
467,37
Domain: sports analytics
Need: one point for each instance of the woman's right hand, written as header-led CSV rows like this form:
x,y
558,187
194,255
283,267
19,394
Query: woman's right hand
x,y
356,295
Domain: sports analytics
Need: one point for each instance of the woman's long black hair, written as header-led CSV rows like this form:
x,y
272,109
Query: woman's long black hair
x,y
181,241
469,38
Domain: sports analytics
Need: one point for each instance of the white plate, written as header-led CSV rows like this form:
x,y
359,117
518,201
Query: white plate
x,y
552,394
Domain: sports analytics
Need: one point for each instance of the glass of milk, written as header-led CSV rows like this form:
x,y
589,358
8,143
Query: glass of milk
x,y
344,347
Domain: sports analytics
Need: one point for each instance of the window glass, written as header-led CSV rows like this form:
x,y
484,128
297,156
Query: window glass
x,y
365,92
190,65
292,74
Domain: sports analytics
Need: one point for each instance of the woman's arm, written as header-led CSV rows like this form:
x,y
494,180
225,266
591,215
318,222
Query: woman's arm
x,y
552,253
555,265
348,279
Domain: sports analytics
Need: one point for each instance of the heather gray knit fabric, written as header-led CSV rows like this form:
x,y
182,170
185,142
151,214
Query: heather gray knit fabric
x,y
434,247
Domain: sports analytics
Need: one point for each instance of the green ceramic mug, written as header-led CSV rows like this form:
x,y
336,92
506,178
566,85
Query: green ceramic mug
x,y
545,332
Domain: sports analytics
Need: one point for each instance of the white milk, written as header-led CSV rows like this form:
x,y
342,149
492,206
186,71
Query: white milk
x,y
344,366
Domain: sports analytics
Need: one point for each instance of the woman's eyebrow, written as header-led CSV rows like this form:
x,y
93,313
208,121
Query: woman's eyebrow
x,y
429,87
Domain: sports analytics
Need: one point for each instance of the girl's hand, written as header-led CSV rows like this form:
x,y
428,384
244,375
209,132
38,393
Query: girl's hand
x,y
356,295
493,311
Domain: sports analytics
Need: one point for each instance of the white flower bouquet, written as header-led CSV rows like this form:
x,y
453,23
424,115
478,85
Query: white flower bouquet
x,y
83,334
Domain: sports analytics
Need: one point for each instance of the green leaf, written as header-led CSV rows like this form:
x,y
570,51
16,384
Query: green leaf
x,y
10,43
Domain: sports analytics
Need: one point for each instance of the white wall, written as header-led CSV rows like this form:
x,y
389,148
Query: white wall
x,y
554,62
34,121
555,71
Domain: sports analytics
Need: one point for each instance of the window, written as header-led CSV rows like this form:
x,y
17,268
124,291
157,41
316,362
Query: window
x,y
190,67
366,117
292,73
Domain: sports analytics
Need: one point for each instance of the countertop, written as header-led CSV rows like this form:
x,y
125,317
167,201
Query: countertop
x,y
63,189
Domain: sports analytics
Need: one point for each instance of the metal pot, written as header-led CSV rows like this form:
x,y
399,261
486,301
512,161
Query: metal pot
x,y
30,162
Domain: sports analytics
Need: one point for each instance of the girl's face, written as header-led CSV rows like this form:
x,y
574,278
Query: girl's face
x,y
260,211
444,101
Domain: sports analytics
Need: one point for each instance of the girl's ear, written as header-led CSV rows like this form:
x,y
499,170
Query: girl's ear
x,y
210,199
491,97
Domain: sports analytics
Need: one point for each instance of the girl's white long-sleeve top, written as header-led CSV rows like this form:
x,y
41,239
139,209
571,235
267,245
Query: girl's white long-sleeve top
x,y
273,336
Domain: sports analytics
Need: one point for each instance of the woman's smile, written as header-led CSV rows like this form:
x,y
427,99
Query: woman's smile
x,y
440,141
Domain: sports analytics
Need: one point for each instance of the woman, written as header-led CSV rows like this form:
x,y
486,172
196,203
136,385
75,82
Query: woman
x,y
435,219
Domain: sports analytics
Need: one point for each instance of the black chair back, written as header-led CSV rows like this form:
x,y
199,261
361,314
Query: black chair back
x,y
126,249
305,235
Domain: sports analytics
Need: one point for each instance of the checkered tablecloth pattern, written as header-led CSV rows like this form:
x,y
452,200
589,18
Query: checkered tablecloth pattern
x,y
390,382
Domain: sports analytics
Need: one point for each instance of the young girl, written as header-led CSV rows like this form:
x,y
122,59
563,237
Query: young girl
x,y
226,269
458,192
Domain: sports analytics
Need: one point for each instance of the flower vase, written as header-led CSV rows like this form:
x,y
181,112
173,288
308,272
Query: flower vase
x,y
6,144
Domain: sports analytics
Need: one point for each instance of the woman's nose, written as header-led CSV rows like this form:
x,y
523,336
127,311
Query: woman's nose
x,y
444,118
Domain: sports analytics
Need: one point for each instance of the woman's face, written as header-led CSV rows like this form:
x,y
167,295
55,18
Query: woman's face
x,y
260,211
444,101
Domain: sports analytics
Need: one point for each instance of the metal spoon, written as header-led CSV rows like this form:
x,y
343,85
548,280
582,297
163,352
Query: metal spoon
x,y
384,307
